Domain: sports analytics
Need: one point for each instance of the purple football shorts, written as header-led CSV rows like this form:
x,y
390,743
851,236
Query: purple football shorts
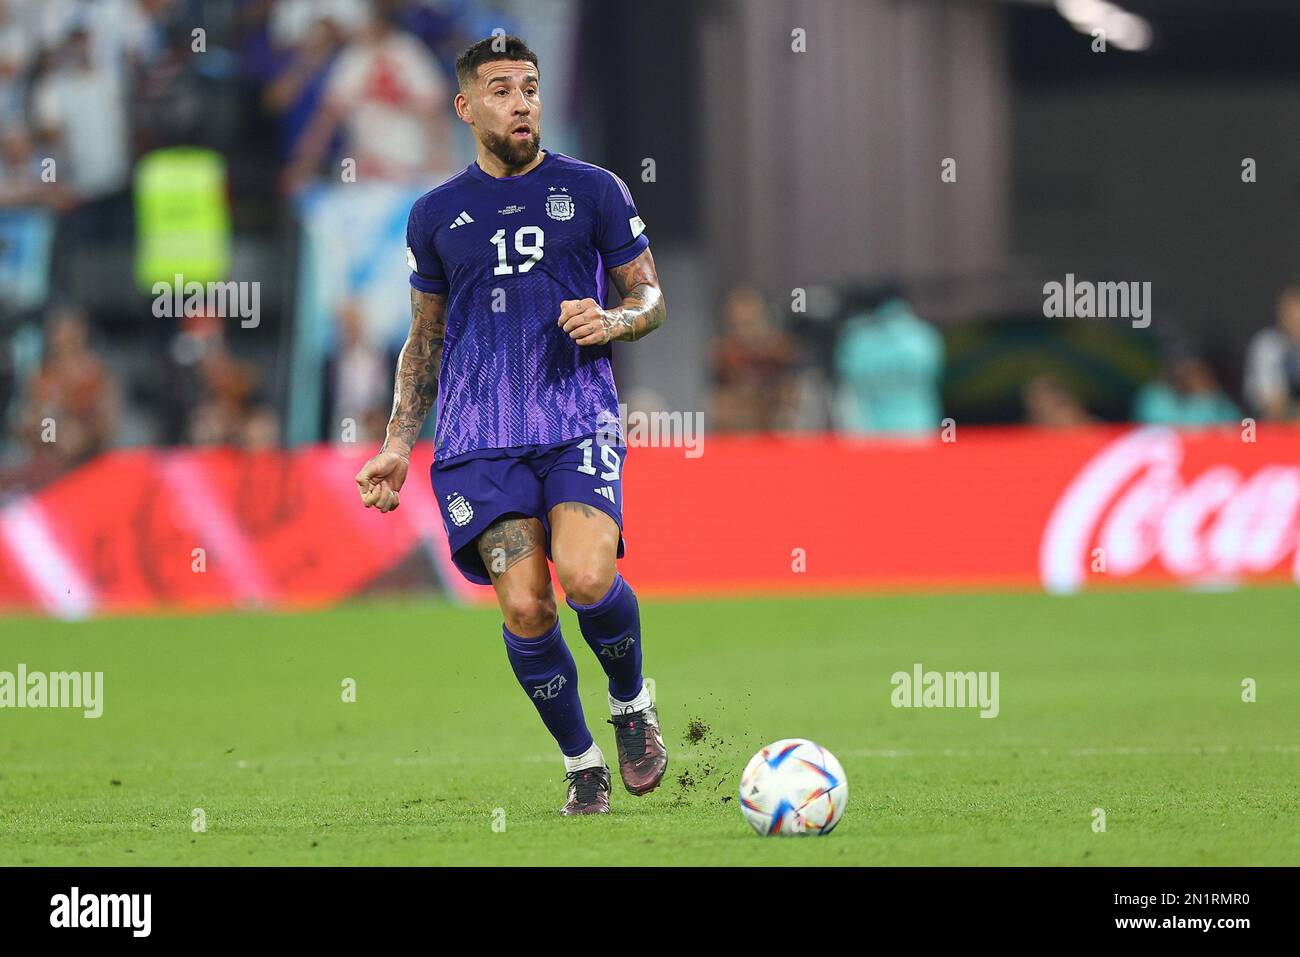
x,y
475,489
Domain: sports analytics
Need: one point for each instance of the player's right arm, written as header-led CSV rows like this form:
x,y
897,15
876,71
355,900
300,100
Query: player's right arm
x,y
414,392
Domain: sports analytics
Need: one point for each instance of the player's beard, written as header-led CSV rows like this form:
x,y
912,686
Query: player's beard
x,y
513,154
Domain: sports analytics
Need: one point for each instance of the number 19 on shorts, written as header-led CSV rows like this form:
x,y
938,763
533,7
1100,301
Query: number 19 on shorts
x,y
608,457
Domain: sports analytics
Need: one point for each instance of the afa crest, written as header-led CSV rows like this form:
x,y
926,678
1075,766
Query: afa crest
x,y
619,648
559,206
551,689
460,510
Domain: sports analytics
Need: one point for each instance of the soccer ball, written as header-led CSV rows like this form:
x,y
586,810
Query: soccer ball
x,y
793,787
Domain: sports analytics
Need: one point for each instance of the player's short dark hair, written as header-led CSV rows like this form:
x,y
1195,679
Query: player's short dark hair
x,y
489,49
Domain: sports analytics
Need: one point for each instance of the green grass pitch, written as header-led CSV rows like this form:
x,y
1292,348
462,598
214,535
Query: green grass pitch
x,y
1126,701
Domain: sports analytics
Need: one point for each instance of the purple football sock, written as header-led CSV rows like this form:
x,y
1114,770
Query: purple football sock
x,y
612,626
549,677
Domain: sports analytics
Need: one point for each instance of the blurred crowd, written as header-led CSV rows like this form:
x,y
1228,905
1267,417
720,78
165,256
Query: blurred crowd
x,y
89,87
884,375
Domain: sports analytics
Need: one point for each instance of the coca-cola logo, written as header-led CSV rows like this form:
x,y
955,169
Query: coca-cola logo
x,y
1133,502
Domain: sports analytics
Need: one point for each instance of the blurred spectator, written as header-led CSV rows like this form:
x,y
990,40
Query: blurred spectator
x,y
177,97
272,32
1272,376
389,97
182,387
753,366
291,22
889,362
79,108
261,429
16,52
213,394
1188,396
70,410
20,173
362,379
295,94
226,403
1049,404
131,32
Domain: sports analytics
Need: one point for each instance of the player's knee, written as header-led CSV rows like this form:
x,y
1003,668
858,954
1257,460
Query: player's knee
x,y
529,616
586,584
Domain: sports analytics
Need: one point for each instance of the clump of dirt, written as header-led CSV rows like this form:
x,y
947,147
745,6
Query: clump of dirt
x,y
696,731
699,732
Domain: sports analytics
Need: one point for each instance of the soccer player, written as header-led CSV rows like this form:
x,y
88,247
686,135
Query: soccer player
x,y
508,271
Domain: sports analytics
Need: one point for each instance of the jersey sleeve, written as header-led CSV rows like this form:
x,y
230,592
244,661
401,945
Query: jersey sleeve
x,y
427,274
620,234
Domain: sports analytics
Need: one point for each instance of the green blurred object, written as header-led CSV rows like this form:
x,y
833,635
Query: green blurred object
x,y
1159,404
991,359
889,362
182,217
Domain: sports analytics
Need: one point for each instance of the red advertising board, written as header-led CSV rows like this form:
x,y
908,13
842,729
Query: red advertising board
x,y
202,529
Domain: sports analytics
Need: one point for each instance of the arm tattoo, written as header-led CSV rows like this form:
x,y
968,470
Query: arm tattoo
x,y
643,309
508,542
416,386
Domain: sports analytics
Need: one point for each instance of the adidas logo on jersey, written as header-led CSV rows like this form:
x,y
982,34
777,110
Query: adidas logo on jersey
x,y
463,219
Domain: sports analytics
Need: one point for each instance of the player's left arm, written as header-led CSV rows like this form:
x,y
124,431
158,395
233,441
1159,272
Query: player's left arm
x,y
641,313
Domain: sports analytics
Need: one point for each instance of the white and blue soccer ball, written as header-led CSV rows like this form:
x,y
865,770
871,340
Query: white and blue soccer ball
x,y
793,786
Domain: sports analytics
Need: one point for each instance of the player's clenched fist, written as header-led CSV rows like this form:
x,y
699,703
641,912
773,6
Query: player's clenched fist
x,y
381,479
586,323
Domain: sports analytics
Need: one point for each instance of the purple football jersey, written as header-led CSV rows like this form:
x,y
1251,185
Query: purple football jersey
x,y
507,252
